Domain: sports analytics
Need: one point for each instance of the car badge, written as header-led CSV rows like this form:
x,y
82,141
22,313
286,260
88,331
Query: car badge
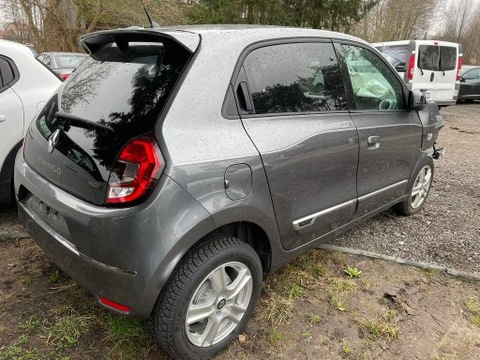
x,y
53,140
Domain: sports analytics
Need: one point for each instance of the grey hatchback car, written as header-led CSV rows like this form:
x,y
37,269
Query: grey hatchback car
x,y
176,168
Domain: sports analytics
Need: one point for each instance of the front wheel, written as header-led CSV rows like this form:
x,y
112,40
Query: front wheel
x,y
419,190
209,299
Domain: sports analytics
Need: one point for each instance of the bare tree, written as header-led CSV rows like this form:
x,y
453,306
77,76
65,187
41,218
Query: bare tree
x,y
462,26
398,20
57,24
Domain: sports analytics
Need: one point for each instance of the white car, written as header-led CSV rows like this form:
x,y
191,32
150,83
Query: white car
x,y
25,86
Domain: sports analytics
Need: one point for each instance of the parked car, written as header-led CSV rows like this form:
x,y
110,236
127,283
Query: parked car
x,y
429,65
63,63
469,83
25,86
170,181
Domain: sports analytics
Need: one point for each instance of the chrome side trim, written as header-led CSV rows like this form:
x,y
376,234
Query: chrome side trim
x,y
72,247
365,197
308,220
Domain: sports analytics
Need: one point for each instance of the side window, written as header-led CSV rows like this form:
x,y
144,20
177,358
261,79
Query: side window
x,y
448,58
428,57
374,84
7,76
302,77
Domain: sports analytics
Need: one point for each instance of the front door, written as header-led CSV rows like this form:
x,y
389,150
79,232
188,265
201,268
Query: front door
x,y
389,135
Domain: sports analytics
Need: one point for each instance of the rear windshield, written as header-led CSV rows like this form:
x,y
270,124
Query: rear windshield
x,y
123,91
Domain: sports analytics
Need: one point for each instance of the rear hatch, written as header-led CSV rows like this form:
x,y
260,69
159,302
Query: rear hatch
x,y
116,95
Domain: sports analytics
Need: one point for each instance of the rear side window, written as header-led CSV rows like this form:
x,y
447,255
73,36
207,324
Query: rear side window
x,y
448,58
7,75
302,77
428,57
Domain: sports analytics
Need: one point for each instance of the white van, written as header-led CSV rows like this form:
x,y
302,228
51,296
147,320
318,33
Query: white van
x,y
430,66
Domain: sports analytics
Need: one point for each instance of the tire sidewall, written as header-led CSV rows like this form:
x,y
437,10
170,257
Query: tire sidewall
x,y
241,253
427,161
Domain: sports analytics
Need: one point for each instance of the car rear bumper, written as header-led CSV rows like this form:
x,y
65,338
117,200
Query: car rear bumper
x,y
125,255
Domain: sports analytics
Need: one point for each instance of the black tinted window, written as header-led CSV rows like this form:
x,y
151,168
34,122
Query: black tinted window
x,y
448,58
428,57
124,90
295,78
7,75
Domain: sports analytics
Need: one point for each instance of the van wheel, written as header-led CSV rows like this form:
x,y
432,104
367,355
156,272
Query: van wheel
x,y
419,190
209,299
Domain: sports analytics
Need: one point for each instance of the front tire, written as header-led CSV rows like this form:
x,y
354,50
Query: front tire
x,y
418,190
209,299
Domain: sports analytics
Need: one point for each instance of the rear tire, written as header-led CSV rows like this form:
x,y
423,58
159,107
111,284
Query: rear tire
x,y
209,299
418,190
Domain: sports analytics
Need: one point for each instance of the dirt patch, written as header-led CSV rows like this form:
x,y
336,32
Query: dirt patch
x,y
310,309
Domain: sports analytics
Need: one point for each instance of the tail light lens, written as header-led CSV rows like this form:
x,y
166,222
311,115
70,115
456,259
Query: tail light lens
x,y
459,66
136,171
411,67
64,76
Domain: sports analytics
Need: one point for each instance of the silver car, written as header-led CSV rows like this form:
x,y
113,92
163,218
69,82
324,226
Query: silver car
x,y
178,167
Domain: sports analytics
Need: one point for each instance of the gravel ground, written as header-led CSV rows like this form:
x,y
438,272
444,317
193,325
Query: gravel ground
x,y
447,231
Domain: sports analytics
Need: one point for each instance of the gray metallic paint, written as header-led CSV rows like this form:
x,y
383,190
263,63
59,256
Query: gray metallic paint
x,y
191,201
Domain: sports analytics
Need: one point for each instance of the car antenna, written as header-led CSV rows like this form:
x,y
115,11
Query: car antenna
x,y
153,24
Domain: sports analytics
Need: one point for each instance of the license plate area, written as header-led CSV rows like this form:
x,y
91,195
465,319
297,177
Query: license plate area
x,y
48,214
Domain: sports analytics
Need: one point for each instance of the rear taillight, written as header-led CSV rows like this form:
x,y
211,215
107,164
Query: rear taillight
x,y
136,171
459,67
411,67
64,76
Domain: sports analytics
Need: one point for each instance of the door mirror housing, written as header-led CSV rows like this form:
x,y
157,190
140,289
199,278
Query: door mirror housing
x,y
416,100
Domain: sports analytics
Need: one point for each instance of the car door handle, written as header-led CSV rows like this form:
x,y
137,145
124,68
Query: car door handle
x,y
373,142
3,118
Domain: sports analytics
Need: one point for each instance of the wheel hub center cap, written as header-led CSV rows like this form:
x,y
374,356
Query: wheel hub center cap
x,y
221,304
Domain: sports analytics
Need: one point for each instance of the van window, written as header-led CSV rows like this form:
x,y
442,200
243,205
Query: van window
x,y
396,55
428,57
302,77
374,85
448,58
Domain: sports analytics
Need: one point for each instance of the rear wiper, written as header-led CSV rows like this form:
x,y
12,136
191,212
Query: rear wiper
x,y
67,120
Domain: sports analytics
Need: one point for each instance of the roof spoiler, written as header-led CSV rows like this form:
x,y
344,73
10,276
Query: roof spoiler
x,y
93,42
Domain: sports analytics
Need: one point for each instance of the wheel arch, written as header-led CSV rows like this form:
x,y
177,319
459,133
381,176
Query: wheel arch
x,y
6,174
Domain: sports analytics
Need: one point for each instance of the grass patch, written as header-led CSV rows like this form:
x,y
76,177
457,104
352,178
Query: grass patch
x,y
342,285
339,301
296,291
67,328
384,327
473,306
306,334
314,319
346,348
274,336
128,337
476,321
279,309
32,323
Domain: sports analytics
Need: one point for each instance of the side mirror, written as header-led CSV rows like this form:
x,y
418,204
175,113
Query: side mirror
x,y
462,79
416,100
